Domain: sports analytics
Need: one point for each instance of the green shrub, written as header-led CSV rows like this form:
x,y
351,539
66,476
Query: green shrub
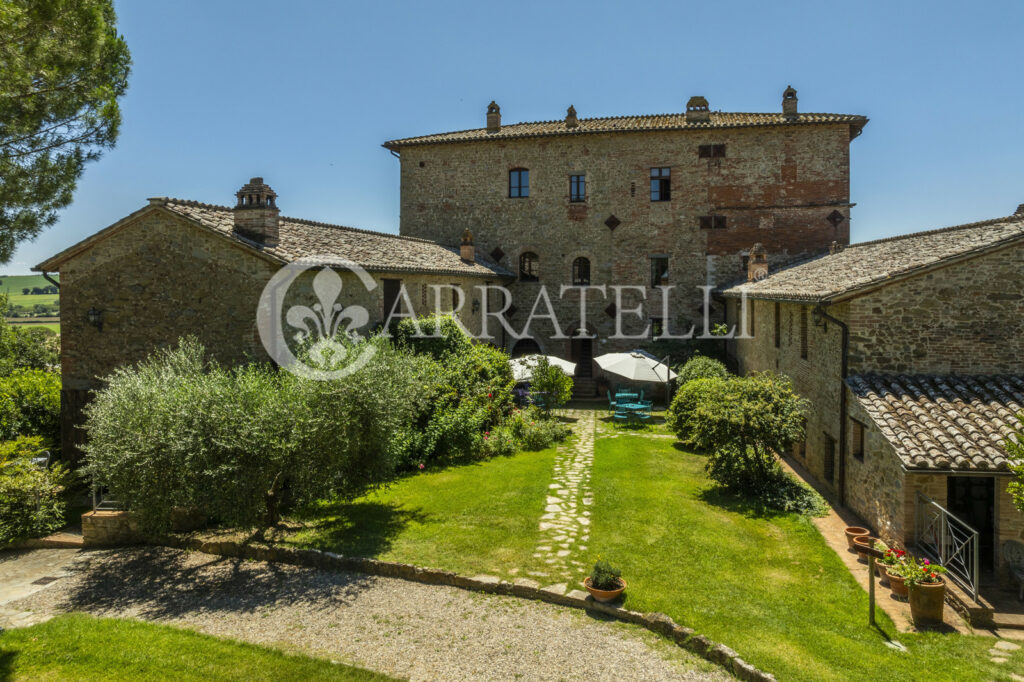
x,y
604,576
439,336
552,381
26,347
31,503
701,367
532,429
179,430
30,405
682,410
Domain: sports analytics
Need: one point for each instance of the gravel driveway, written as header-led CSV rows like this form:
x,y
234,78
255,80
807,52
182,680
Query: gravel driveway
x,y
421,632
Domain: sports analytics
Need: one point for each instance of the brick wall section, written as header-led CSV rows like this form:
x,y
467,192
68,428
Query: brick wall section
x,y
775,186
966,318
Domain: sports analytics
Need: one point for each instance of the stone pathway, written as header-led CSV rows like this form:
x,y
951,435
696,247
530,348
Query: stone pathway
x,y
25,572
404,629
565,524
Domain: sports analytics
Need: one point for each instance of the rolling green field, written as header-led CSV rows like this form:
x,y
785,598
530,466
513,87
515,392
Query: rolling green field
x,y
13,284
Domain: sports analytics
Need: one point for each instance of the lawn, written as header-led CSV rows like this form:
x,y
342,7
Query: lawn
x,y
52,326
13,284
767,586
80,647
476,518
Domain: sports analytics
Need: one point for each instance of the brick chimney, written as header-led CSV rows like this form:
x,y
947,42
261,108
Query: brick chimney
x,y
697,110
1020,209
757,263
467,251
493,117
570,117
789,101
256,214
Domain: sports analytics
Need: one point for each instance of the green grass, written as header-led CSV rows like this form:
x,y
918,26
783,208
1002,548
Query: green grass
x,y
80,647
52,326
29,300
13,284
476,518
767,586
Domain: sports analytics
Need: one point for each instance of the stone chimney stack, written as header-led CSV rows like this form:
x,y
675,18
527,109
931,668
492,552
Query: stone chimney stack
x,y
256,214
1020,210
468,250
570,117
493,117
697,110
789,101
757,263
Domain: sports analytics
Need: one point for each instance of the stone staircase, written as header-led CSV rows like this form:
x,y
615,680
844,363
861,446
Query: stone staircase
x,y
584,388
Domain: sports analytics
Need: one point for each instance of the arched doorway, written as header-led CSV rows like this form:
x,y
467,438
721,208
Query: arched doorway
x,y
581,350
525,347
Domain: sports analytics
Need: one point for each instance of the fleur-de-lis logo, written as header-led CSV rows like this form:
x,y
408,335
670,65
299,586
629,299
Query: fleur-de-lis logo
x,y
326,331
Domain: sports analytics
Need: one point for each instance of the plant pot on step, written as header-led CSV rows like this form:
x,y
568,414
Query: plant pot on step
x,y
605,595
863,542
926,603
853,532
897,584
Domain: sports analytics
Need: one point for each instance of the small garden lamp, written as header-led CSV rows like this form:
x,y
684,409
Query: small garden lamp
x,y
95,318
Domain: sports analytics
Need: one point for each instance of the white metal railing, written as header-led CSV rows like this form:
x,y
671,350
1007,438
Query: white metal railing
x,y
946,539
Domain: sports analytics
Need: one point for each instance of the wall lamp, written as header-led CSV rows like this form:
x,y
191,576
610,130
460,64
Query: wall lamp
x,y
95,318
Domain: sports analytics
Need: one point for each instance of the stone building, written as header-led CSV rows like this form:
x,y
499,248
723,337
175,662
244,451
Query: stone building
x,y
911,352
176,267
636,201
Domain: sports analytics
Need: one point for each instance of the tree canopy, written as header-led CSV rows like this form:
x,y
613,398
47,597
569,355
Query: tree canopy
x,y
63,67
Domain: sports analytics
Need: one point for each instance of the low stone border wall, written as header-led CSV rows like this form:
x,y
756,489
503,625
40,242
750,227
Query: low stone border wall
x,y
522,587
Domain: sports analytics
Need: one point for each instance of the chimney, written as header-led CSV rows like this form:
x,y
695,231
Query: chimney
x,y
757,263
256,214
697,110
493,117
834,248
467,251
570,117
789,101
1020,210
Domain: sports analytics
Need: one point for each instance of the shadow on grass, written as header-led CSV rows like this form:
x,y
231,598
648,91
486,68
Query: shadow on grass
x,y
7,664
364,528
750,508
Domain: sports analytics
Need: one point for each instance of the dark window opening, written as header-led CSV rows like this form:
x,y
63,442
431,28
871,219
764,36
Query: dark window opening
x,y
657,327
632,189
750,317
712,222
829,466
778,324
577,188
803,333
529,267
661,184
581,272
518,183
711,151
659,270
857,433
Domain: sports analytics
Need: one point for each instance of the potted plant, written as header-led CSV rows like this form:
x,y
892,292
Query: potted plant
x,y
605,582
863,542
927,591
855,532
891,560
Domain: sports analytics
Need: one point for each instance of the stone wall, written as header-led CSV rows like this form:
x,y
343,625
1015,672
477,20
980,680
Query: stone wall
x,y
965,318
875,487
110,528
775,186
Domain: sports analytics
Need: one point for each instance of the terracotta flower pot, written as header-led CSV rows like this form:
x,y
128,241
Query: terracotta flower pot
x,y
863,541
853,532
926,603
897,584
604,595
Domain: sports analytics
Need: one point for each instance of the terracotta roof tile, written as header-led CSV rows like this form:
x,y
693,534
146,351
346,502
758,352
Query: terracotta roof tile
x,y
944,422
869,264
621,124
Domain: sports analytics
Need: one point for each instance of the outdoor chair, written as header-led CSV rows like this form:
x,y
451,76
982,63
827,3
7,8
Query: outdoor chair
x,y
620,415
611,402
537,400
1013,555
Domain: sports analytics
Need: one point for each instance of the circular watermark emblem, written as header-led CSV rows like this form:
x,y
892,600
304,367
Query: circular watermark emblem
x,y
318,338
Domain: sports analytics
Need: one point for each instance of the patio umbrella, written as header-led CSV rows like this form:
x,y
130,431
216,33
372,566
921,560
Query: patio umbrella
x,y
635,365
522,368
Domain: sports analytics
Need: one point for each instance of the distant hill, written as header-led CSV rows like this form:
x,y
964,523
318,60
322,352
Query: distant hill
x,y
13,284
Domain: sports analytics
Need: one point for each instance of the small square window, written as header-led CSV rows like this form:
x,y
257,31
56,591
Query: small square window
x,y
659,270
657,327
711,151
518,183
577,188
718,222
661,184
858,440
712,222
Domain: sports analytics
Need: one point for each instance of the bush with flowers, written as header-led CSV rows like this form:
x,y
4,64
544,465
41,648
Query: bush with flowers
x,y
922,572
892,557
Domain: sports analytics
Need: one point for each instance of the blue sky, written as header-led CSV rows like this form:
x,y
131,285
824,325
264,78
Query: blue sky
x,y
304,92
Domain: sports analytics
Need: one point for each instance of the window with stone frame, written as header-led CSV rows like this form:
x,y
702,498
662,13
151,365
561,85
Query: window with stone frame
x,y
581,272
829,463
711,151
518,183
712,222
659,271
577,188
529,267
778,324
857,438
803,333
661,184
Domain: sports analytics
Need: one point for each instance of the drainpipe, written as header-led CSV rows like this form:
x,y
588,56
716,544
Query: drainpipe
x,y
51,280
819,314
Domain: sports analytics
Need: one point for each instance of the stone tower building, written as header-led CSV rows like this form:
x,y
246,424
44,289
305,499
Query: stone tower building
x,y
674,199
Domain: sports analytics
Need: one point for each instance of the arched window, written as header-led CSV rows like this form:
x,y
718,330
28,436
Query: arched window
x,y
518,183
581,272
529,267
525,346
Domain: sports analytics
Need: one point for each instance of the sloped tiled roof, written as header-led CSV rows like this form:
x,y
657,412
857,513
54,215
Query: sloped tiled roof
x,y
944,422
622,124
301,239
870,264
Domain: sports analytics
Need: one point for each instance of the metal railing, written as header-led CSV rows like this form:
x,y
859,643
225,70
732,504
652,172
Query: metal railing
x,y
946,539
